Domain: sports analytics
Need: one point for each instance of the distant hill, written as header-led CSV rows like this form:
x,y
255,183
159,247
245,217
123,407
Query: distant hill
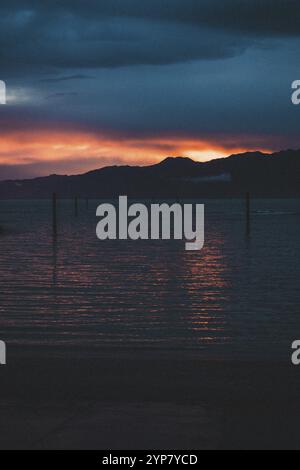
x,y
264,175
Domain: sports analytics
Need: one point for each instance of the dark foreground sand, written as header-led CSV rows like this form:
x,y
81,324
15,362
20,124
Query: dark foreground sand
x,y
138,401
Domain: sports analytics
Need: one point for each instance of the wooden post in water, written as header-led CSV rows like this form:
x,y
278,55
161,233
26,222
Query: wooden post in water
x,y
76,206
248,212
54,215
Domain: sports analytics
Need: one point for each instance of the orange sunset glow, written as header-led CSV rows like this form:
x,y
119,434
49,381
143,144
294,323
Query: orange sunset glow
x,y
86,151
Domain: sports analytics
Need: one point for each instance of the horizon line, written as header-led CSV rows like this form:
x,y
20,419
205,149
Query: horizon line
x,y
251,152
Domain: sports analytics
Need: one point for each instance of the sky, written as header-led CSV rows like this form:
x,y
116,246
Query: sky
x,y
95,83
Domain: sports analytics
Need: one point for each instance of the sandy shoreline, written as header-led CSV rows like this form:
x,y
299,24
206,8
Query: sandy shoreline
x,y
136,402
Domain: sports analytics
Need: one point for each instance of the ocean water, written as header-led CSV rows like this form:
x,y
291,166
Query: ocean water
x,y
239,297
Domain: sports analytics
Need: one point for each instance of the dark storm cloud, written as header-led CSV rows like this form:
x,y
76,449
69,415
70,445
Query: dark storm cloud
x,y
70,42
49,36
264,16
276,17
276,13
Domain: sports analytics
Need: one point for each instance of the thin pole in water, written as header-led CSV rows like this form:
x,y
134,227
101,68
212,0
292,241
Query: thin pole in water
x,y
54,215
76,206
248,212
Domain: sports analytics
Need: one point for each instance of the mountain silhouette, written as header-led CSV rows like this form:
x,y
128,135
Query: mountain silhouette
x,y
264,175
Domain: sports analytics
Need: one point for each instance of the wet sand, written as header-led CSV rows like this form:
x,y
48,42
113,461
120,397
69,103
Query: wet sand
x,y
139,401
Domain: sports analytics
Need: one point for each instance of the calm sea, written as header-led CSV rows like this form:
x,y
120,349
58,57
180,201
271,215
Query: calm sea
x,y
237,298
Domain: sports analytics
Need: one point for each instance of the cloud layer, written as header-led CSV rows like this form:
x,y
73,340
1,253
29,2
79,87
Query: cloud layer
x,y
209,74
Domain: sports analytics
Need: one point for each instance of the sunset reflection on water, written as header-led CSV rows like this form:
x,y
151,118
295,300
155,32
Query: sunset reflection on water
x,y
237,296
